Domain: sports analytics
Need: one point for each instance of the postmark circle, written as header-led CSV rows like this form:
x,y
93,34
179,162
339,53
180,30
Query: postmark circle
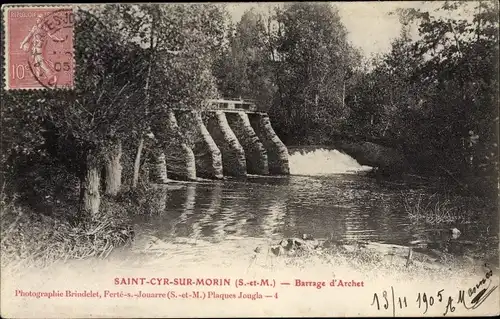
x,y
43,69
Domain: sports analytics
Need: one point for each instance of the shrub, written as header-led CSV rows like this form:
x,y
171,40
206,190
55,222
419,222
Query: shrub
x,y
434,210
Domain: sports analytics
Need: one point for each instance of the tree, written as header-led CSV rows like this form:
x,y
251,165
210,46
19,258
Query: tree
x,y
244,67
315,62
441,90
179,60
122,89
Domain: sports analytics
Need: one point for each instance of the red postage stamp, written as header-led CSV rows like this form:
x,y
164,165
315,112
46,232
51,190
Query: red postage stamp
x,y
39,47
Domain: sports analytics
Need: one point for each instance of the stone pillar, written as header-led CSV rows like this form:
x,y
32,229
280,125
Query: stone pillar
x,y
208,157
255,152
233,155
158,171
277,153
180,157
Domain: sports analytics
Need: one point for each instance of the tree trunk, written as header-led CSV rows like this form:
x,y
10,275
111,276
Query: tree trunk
x,y
343,97
386,127
90,196
114,169
137,163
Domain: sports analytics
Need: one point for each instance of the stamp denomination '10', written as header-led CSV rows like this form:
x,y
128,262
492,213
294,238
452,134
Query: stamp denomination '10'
x,y
39,47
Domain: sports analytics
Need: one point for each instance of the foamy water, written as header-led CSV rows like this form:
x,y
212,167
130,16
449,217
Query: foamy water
x,y
323,162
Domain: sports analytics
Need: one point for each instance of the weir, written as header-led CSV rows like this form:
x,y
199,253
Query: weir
x,y
223,140
158,173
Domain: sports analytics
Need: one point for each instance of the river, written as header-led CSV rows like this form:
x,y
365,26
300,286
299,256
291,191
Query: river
x,y
211,229
327,195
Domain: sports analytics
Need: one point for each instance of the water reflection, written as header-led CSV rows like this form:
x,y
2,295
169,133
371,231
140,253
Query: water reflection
x,y
158,203
187,200
349,206
273,220
209,203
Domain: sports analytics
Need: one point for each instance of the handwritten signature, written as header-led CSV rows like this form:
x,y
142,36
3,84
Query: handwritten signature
x,y
478,297
470,299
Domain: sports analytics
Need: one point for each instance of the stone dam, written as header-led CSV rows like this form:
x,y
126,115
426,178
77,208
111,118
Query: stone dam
x,y
231,138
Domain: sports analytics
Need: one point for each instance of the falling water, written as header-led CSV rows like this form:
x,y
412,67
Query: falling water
x,y
323,162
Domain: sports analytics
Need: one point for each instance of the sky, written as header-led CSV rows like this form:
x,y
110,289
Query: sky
x,y
371,28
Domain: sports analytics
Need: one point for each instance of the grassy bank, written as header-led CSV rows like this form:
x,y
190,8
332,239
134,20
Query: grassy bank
x,y
58,232
436,209
235,258
475,218
32,238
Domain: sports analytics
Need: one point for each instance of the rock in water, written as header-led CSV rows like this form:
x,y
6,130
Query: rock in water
x,y
455,233
310,241
277,250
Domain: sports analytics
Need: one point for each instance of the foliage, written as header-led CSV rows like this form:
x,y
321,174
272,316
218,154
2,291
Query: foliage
x,y
315,62
77,122
179,41
113,82
297,64
434,96
243,68
437,95
133,62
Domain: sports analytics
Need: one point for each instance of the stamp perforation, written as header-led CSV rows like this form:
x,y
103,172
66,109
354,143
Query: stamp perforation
x,y
6,46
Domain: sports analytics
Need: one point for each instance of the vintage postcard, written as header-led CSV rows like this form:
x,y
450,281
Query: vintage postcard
x,y
285,159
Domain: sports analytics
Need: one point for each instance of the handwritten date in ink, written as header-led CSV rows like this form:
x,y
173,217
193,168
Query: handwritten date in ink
x,y
386,301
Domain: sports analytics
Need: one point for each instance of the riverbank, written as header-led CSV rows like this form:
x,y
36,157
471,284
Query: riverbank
x,y
29,237
39,242
372,259
151,254
389,163
231,267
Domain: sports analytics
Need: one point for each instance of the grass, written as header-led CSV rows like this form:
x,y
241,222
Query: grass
x,y
435,210
443,211
376,263
38,240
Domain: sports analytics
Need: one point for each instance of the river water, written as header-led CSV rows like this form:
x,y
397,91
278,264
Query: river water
x,y
210,229
328,195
